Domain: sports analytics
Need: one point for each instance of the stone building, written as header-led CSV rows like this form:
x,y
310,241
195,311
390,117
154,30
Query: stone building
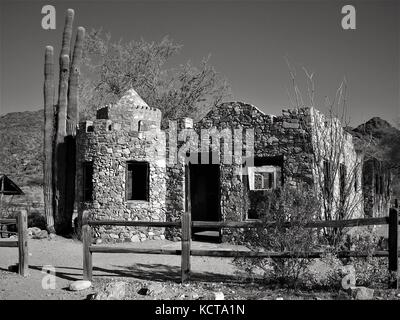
x,y
129,168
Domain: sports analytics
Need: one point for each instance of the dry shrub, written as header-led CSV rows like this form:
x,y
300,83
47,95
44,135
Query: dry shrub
x,y
369,270
297,206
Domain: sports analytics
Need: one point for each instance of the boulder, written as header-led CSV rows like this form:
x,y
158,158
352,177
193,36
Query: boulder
x,y
33,231
193,296
155,288
80,285
219,296
361,293
43,234
135,238
113,291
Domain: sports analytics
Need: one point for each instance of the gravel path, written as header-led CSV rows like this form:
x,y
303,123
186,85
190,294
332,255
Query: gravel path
x,y
66,256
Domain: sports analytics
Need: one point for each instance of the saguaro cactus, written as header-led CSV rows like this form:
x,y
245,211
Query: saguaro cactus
x,y
48,137
72,121
59,148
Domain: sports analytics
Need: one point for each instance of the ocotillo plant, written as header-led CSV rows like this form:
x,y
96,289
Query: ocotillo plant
x,y
59,141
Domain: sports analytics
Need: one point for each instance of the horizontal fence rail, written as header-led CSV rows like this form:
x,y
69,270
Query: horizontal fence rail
x,y
313,224
21,221
186,224
8,221
238,253
8,244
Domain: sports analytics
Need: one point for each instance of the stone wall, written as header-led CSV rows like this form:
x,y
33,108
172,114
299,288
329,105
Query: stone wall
x,y
109,150
286,136
130,130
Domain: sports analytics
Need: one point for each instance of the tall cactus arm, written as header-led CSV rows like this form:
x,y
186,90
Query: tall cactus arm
x,y
73,112
67,34
48,136
64,74
60,148
62,99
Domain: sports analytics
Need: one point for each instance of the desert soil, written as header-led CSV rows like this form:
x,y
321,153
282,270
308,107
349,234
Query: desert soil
x,y
209,274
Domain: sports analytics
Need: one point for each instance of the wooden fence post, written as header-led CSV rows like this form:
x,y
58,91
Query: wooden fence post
x,y
22,225
186,241
86,242
393,248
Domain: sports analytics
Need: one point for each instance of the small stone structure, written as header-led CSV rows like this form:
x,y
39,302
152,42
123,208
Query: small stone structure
x,y
130,169
127,131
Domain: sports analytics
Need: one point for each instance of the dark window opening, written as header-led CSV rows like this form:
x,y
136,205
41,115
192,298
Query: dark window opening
x,y
87,181
90,129
109,127
378,184
381,185
140,125
137,182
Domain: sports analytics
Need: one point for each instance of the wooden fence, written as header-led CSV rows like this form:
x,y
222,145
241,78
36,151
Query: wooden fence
x,y
186,224
21,221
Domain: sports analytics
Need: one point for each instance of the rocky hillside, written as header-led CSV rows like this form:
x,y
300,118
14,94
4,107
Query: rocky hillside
x,y
375,128
21,154
380,139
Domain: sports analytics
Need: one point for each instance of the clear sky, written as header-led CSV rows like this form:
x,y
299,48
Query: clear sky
x,y
247,41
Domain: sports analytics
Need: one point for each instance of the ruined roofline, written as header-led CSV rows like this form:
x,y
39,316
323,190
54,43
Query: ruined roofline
x,y
245,104
130,99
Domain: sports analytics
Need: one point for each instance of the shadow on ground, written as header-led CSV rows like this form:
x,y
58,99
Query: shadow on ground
x,y
161,272
152,272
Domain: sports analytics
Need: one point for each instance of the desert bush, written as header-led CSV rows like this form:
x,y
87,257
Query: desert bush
x,y
37,219
287,204
328,273
369,270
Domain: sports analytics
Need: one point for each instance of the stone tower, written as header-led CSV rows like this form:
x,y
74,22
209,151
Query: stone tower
x,y
121,168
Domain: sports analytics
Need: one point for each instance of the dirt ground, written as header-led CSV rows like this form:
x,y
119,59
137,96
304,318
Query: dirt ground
x,y
139,271
65,255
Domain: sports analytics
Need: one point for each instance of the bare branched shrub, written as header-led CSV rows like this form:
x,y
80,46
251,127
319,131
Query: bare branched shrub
x,y
297,206
337,165
111,68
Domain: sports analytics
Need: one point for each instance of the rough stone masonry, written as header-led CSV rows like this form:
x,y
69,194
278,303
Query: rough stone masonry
x,y
128,168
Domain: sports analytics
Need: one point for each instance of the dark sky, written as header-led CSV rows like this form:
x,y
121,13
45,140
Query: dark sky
x,y
247,41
